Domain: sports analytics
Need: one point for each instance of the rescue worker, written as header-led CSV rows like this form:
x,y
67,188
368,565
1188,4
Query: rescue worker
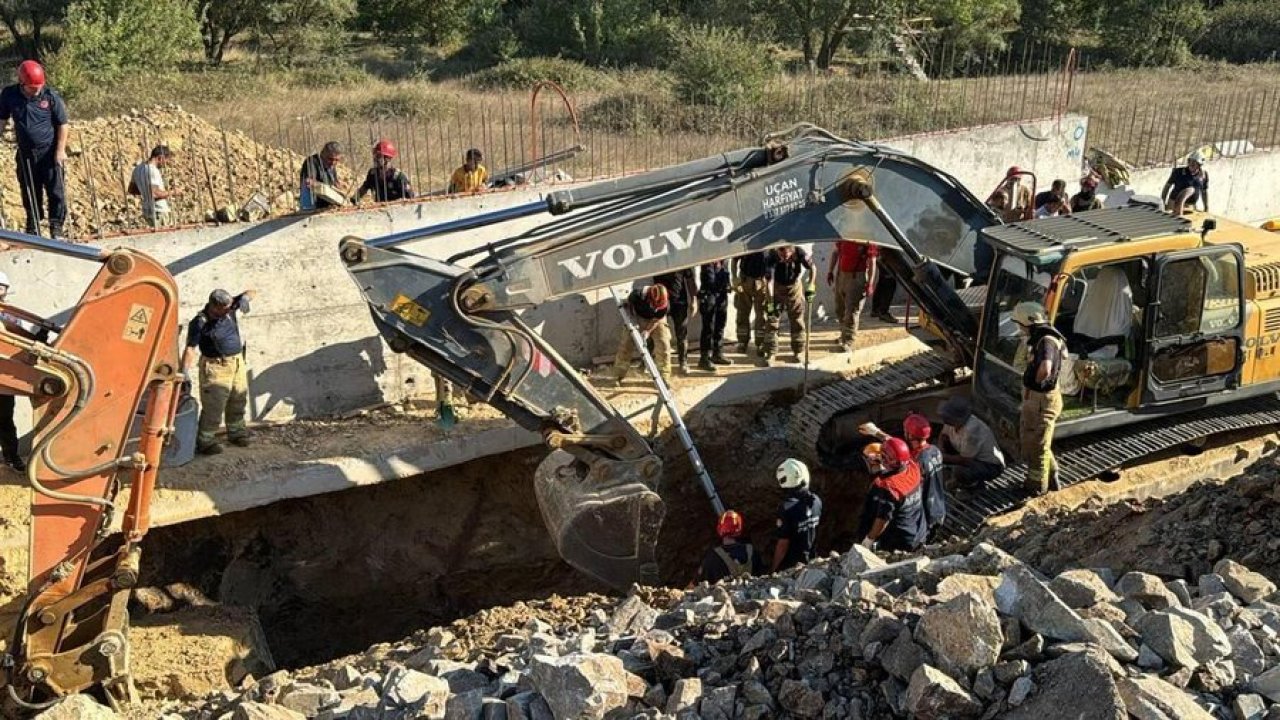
x,y
714,281
893,517
852,274
224,378
471,176
969,448
732,557
999,203
648,307
1018,193
147,182
8,402
681,288
40,122
798,518
917,430
752,293
1057,191
386,181
1187,186
1041,400
793,289
319,169
447,414
882,298
1087,198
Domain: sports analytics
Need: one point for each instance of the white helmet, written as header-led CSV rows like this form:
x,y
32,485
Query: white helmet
x,y
1196,157
793,474
1030,313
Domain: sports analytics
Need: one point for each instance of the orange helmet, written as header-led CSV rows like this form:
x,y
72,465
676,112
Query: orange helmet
x,y
656,296
730,524
30,72
873,451
385,148
917,427
1015,170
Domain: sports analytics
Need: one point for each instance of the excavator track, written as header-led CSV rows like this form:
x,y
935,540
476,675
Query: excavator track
x,y
1084,457
811,416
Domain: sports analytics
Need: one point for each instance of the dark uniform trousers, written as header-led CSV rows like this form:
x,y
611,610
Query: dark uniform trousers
x,y
8,431
789,299
40,177
714,307
679,314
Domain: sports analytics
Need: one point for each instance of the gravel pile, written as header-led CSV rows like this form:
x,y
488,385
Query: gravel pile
x,y
981,635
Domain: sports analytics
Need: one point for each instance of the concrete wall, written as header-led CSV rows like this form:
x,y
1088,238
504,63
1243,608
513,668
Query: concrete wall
x,y
313,349
1242,188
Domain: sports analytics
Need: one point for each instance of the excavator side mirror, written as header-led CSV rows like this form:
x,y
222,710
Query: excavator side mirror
x,y
1208,226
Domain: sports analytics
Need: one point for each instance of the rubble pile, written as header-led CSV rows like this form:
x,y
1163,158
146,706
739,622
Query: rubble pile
x,y
1183,535
103,152
980,635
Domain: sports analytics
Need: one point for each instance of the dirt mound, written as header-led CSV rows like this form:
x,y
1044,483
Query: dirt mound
x,y
104,151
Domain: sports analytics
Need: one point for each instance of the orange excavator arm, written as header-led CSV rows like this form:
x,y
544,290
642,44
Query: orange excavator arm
x,y
117,353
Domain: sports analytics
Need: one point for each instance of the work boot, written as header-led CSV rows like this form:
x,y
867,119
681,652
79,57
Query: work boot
x,y
846,346
212,448
684,368
240,440
718,358
887,317
16,463
742,347
704,364
766,359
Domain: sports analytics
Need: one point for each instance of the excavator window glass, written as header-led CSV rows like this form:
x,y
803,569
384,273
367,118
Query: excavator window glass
x,y
1199,301
1016,281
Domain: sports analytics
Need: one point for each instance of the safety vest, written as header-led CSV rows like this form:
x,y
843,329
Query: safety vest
x,y
737,569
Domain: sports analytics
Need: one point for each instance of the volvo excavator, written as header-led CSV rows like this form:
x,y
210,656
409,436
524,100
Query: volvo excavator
x,y
87,378
1173,322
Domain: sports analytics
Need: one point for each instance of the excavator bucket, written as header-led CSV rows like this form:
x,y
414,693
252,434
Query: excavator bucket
x,y
604,516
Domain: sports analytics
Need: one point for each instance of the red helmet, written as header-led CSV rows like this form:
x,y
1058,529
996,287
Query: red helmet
x,y
730,524
917,427
385,148
30,72
656,296
896,453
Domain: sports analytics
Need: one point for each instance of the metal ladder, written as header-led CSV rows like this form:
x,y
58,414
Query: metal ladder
x,y
669,400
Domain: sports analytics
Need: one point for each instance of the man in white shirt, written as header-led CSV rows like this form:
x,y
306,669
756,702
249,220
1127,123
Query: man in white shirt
x,y
148,183
969,446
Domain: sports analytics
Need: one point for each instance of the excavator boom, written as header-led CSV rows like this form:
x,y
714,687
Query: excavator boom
x,y
598,492
116,353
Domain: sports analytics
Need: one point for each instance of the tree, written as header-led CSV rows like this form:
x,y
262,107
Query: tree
x,y
434,21
1152,32
26,21
973,28
298,31
223,20
821,26
105,38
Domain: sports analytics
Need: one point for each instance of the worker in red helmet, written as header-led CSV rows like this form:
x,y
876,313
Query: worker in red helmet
x,y
893,517
386,181
647,307
1021,204
917,430
40,120
732,556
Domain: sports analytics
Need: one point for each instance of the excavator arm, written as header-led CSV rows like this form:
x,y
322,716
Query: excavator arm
x,y
598,490
116,352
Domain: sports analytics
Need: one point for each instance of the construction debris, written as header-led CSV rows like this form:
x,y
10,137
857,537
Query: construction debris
x,y
806,644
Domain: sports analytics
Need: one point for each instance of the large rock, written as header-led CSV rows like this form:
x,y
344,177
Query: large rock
x,y
902,656
984,586
1105,635
1022,596
1147,697
83,707
1245,653
718,703
800,700
528,705
1183,637
1268,684
1242,582
963,634
1146,589
632,617
243,711
933,695
467,705
1074,686
309,699
859,560
1249,707
580,685
409,688
686,695
987,559
1082,589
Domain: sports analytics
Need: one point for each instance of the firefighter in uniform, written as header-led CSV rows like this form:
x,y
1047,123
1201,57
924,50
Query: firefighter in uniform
x,y
1041,399
751,293
732,557
917,430
793,286
648,309
798,519
681,289
893,517
714,282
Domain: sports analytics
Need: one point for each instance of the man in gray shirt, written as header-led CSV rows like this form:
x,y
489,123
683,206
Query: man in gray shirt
x,y
969,446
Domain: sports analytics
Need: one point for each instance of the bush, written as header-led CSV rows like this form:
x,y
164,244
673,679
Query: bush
x,y
1242,32
720,67
327,75
1152,32
405,102
636,112
522,73
106,38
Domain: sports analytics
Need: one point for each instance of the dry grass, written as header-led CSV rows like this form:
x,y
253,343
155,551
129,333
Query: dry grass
x,y
1144,116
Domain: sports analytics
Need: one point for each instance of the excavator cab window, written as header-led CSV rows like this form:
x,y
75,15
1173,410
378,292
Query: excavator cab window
x,y
1000,359
1195,329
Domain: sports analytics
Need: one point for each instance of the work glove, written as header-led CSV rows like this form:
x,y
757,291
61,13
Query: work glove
x,y
809,292
186,386
868,543
870,429
738,285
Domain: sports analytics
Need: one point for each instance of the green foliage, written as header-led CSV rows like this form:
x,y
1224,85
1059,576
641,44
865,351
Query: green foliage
x,y
409,101
1243,32
522,73
719,67
106,38
302,32
975,28
435,21
1152,32
596,32
27,22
